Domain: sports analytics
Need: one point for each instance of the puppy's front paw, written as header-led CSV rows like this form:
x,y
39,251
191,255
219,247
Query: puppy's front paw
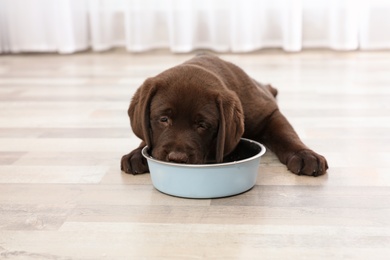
x,y
307,162
134,162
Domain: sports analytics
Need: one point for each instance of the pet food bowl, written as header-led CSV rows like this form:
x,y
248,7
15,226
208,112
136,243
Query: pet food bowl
x,y
234,176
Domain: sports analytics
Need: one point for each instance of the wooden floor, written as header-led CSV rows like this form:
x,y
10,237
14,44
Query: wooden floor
x,y
64,127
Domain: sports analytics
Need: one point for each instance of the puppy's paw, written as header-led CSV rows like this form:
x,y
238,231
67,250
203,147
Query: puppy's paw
x,y
134,162
307,162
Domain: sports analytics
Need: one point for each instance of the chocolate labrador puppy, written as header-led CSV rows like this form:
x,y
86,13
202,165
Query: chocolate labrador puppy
x,y
197,112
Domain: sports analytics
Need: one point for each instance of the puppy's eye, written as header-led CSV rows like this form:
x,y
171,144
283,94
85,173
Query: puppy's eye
x,y
164,120
202,126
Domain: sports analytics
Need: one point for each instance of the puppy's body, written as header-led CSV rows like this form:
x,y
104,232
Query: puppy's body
x,y
197,112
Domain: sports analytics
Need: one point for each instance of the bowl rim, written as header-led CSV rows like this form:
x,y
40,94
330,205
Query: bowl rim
x,y
186,165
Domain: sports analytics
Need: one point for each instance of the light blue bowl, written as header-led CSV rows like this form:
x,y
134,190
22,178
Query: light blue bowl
x,y
208,180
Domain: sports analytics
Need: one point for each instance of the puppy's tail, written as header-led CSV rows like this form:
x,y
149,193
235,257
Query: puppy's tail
x,y
271,89
268,87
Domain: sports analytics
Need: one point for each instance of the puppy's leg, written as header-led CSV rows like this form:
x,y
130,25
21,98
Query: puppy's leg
x,y
281,138
134,162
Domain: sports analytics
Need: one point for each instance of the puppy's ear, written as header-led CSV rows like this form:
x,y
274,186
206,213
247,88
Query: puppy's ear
x,y
139,110
231,124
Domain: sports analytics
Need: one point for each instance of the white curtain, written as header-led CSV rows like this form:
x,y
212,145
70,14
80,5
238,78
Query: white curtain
x,y
67,26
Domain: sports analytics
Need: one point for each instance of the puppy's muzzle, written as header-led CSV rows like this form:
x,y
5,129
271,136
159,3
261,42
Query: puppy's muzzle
x,y
177,157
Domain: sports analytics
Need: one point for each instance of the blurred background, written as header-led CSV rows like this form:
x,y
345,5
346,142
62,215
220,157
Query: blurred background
x,y
68,26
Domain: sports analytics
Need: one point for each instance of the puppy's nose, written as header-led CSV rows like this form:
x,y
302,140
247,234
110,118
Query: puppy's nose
x,y
177,157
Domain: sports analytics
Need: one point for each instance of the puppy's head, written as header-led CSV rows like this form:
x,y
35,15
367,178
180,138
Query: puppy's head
x,y
187,115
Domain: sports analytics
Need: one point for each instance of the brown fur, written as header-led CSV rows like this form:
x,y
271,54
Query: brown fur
x,y
197,112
